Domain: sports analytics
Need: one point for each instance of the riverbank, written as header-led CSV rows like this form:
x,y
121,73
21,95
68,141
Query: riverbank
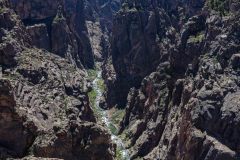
x,y
108,118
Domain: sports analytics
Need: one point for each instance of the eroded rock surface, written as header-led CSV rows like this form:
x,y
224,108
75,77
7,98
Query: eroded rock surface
x,y
45,110
144,32
187,105
76,46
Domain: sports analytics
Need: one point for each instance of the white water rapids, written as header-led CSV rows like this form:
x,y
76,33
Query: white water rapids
x,y
106,120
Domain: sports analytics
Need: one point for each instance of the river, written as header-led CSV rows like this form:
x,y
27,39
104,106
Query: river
x,y
124,154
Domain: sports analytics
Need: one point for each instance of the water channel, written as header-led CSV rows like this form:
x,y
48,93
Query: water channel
x,y
104,116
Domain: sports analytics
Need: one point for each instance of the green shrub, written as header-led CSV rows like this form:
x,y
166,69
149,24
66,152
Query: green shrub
x,y
196,39
92,97
1,10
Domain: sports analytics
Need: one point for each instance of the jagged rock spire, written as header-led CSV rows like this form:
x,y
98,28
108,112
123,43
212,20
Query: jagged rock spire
x,y
60,11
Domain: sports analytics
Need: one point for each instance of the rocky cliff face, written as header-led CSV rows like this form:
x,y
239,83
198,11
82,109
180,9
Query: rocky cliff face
x,y
143,34
181,60
173,65
44,107
55,17
99,17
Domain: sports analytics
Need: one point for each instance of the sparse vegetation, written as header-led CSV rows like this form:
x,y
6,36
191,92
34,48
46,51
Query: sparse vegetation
x,y
113,129
92,97
196,39
125,136
101,85
58,19
1,10
117,116
131,7
221,6
97,112
92,74
11,76
65,102
118,154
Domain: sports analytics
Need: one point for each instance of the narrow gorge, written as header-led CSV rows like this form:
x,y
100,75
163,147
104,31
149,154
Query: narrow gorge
x,y
108,118
120,80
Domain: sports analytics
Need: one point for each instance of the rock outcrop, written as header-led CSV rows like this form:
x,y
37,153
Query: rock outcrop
x,y
16,136
143,34
44,106
99,20
58,16
187,105
39,35
85,26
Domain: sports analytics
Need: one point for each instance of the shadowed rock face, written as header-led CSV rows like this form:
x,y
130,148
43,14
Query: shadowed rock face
x,y
143,34
69,20
40,37
76,46
188,107
16,137
44,106
99,20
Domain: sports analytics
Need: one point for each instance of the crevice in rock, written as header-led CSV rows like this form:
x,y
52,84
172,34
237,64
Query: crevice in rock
x,y
47,21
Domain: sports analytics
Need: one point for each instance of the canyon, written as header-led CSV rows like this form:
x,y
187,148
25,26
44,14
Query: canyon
x,y
120,79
